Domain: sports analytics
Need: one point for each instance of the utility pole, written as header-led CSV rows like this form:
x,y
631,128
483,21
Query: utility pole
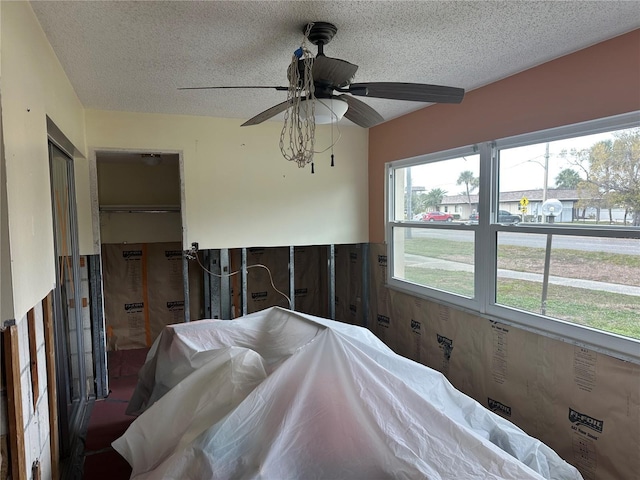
x,y
546,173
409,204
409,195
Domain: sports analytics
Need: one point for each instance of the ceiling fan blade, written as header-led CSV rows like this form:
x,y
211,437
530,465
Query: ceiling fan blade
x,y
267,114
360,113
332,71
414,92
280,89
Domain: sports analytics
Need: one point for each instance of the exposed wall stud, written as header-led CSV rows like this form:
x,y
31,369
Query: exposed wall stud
x,y
292,278
14,403
49,346
209,262
33,356
185,283
244,281
332,280
98,327
365,285
225,285
35,471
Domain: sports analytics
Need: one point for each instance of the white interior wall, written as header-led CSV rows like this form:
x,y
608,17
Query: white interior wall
x,y
239,190
83,205
33,87
6,284
6,290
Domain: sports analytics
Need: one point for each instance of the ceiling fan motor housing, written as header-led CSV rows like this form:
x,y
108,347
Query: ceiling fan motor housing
x,y
320,34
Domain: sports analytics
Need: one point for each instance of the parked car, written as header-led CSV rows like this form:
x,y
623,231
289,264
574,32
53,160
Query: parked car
x,y
507,217
503,217
437,217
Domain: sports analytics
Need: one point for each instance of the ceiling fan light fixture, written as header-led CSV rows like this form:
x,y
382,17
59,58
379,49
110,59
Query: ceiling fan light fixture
x,y
327,110
150,159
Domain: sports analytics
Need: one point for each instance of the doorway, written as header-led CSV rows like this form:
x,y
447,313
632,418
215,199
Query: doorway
x,y
145,275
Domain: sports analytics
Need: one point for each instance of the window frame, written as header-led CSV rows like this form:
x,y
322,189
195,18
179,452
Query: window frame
x,y
486,232
391,223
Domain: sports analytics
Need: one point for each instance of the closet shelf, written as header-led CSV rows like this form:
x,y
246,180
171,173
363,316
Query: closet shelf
x,y
139,208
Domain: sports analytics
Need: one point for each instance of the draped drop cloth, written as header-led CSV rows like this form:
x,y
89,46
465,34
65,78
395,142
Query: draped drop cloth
x,y
283,395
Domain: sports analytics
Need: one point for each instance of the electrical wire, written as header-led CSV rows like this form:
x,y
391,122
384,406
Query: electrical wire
x,y
194,255
333,144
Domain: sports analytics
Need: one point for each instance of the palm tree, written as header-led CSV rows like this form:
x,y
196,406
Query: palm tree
x,y
470,182
434,198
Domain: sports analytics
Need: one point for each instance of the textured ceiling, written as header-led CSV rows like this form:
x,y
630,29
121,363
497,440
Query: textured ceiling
x,y
132,56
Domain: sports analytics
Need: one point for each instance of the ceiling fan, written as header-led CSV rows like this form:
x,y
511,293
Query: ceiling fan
x,y
335,75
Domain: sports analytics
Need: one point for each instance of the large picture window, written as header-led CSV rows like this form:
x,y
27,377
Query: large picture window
x,y
540,230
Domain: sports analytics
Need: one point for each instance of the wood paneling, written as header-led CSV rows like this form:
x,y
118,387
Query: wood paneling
x,y
14,403
33,356
49,345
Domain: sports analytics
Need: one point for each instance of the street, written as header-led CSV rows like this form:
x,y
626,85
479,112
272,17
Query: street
x,y
627,246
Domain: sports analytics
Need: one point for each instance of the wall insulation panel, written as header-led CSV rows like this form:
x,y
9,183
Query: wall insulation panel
x,y
348,299
310,278
583,404
260,292
144,292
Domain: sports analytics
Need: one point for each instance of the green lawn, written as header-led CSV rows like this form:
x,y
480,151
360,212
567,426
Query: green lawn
x,y
611,312
455,282
606,311
596,266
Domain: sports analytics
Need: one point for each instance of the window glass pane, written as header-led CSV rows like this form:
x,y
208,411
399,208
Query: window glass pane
x,y
442,191
66,282
587,180
591,281
436,258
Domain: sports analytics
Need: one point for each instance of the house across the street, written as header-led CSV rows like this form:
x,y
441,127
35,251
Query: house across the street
x,y
462,206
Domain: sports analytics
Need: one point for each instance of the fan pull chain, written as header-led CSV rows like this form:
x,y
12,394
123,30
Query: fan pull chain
x,y
332,142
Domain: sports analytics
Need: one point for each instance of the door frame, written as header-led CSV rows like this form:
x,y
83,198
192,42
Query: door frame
x,y
70,420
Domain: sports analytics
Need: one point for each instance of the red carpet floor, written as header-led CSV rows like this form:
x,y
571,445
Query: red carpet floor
x,y
108,420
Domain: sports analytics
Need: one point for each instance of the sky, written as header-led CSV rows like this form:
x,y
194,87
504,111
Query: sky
x,y
522,168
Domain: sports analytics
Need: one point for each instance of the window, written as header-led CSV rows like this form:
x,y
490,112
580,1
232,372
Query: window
x,y
545,235
434,248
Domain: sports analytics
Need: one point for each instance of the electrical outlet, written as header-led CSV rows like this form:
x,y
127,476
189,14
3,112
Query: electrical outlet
x,y
194,246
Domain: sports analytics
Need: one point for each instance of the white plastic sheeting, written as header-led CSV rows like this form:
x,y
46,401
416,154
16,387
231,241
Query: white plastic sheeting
x,y
281,395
